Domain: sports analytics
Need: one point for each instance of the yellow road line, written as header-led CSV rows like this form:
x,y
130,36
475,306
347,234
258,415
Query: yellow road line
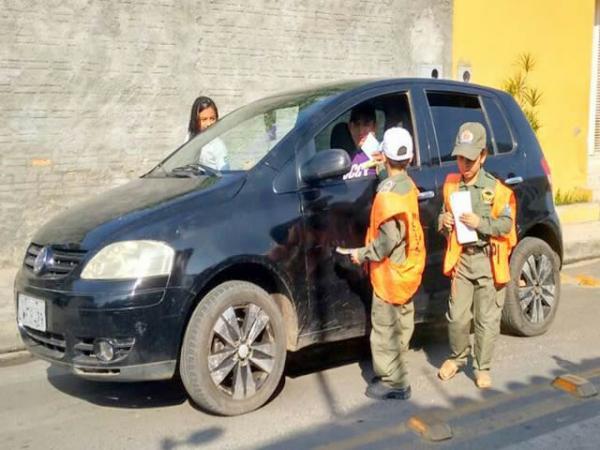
x,y
580,280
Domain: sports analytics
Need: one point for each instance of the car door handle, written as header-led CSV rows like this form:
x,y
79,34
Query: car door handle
x,y
514,180
426,195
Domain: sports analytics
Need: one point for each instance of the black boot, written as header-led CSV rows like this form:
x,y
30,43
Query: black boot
x,y
380,390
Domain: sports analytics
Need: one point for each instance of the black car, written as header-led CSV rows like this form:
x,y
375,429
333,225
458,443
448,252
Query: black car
x,y
217,274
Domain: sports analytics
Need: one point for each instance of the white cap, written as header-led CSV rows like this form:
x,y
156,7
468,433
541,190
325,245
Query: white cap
x,y
397,144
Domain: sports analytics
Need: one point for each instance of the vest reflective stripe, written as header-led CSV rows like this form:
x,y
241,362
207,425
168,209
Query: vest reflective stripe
x,y
397,283
501,246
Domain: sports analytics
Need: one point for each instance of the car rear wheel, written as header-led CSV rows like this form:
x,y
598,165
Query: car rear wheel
x,y
233,351
533,293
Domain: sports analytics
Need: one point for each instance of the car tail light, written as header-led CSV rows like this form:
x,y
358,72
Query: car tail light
x,y
547,171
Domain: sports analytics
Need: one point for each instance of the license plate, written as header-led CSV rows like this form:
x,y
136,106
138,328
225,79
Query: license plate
x,y
31,312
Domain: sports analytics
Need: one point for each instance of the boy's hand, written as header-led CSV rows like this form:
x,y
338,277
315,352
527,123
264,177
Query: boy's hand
x,y
471,220
448,221
351,252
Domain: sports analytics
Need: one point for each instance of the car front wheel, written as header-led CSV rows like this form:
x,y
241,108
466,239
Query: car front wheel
x,y
533,292
233,351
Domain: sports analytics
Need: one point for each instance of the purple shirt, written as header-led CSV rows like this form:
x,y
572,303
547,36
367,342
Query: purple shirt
x,y
356,171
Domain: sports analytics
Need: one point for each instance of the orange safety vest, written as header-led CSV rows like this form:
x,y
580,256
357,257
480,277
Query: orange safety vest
x,y
392,282
501,246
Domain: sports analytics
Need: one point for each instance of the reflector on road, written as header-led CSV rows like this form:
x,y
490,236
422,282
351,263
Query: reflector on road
x,y
575,385
430,428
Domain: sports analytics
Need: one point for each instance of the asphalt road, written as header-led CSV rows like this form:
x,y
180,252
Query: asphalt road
x,y
322,401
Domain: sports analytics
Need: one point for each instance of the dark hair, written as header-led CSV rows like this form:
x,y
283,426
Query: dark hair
x,y
400,165
364,111
200,104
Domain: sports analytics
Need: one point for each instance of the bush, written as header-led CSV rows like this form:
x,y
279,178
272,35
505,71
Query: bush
x,y
528,97
576,195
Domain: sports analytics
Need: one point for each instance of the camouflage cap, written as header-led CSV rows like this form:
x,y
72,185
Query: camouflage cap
x,y
470,140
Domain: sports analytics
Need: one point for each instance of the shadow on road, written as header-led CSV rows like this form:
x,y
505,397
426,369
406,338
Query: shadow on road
x,y
316,358
150,394
193,440
519,412
523,411
328,356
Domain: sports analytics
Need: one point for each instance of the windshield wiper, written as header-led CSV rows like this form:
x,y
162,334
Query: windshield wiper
x,y
193,170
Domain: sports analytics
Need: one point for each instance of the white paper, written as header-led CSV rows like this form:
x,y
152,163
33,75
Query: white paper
x,y
460,202
370,145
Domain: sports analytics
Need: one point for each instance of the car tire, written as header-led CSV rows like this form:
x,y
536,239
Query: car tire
x,y
234,349
533,292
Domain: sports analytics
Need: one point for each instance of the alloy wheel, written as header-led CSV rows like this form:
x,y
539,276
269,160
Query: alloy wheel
x,y
537,288
242,349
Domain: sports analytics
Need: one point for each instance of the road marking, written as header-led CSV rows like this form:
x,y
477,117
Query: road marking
x,y
486,425
366,439
512,418
580,280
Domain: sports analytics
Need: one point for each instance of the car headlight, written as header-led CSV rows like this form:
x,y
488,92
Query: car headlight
x,y
130,260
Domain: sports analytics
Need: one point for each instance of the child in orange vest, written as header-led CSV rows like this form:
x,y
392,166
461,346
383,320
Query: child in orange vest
x,y
479,268
395,254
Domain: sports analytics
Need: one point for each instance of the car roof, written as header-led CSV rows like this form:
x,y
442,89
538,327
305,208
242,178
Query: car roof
x,y
371,83
348,88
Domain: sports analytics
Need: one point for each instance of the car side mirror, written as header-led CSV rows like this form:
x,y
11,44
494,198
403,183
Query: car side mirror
x,y
325,164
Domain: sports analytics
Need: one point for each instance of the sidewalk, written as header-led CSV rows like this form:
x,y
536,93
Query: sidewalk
x,y
581,242
9,336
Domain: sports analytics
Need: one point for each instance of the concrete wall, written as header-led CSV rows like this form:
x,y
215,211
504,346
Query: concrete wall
x,y
558,35
93,93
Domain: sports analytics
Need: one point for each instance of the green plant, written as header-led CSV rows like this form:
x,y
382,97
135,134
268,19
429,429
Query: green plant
x,y
528,97
576,195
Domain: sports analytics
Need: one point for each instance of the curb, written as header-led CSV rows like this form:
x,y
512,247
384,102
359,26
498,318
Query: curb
x,y
14,348
581,251
14,358
581,242
10,341
578,213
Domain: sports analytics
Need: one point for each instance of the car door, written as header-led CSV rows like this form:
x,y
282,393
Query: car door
x,y
336,213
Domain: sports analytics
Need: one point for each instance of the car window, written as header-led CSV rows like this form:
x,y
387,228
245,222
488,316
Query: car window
x,y
252,139
502,137
449,111
389,111
242,138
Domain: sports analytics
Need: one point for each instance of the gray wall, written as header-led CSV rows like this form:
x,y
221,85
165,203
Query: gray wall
x,y
93,93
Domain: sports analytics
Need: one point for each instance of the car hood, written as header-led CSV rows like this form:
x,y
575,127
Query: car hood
x,y
143,201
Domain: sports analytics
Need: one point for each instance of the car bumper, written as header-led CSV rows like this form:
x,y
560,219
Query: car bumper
x,y
144,339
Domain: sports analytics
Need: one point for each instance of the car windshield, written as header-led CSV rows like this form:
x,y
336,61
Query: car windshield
x,y
242,138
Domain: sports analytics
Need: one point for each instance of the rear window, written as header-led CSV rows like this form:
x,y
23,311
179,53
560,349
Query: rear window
x,y
448,112
502,137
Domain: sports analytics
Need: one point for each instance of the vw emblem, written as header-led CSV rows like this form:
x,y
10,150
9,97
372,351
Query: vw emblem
x,y
43,259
